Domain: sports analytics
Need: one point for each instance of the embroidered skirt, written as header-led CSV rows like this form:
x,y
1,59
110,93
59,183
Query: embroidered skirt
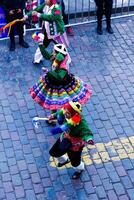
x,y
53,95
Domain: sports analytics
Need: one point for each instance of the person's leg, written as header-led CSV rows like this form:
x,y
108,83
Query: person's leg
x,y
10,18
38,56
20,31
99,5
108,13
78,165
65,19
59,154
12,39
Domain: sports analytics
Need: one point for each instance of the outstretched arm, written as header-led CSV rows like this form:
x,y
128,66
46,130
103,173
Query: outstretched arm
x,y
60,129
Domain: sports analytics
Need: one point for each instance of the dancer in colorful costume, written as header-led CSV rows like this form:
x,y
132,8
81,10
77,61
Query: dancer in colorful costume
x,y
57,87
55,56
75,134
53,25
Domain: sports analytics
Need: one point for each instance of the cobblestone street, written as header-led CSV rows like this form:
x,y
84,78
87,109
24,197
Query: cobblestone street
x,y
26,170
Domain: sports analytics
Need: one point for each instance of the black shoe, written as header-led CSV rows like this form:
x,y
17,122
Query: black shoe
x,y
77,174
99,30
110,30
62,164
24,44
12,46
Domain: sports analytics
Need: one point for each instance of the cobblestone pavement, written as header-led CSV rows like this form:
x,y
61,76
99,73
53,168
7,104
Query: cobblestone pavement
x,y
26,170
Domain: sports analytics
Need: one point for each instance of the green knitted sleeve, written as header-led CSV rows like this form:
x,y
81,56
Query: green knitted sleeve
x,y
44,52
55,15
38,9
86,132
59,57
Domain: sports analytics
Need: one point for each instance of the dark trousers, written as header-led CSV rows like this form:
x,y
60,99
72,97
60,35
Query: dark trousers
x,y
74,156
65,17
104,6
47,41
18,27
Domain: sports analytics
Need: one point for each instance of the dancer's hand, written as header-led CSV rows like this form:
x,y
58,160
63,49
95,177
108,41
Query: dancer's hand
x,y
56,130
35,122
25,18
91,142
34,13
19,11
11,12
40,38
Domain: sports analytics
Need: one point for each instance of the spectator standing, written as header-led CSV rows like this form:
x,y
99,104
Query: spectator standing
x,y
104,6
65,18
14,10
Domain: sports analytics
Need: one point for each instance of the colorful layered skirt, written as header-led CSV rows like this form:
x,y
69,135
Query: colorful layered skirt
x,y
53,92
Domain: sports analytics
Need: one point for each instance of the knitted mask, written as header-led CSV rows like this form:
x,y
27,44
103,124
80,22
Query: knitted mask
x,y
61,48
38,36
74,108
53,2
70,109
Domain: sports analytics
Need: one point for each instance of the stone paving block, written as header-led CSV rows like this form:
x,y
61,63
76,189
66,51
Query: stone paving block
x,y
126,181
85,176
112,195
14,169
32,168
5,134
40,162
43,172
10,196
46,182
124,197
40,196
121,171
82,195
119,188
27,184
2,193
21,165
96,180
101,192
70,192
65,179
30,195
89,188
38,188
58,186
127,164
17,145
35,178
131,175
3,126
93,196
102,173
114,177
24,140
3,157
19,192
25,174
8,186
19,155
16,180
131,193
6,177
11,161
50,193
27,149
107,184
